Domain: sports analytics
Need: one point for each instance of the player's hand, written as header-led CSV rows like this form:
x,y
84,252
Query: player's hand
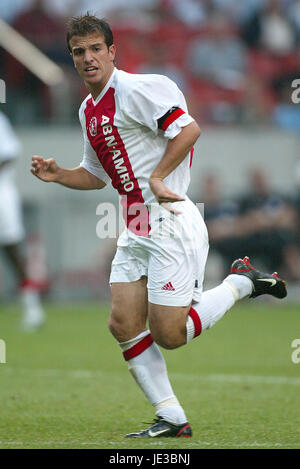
x,y
46,170
163,194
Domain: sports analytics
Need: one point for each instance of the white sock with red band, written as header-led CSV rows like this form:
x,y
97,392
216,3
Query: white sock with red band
x,y
147,365
215,303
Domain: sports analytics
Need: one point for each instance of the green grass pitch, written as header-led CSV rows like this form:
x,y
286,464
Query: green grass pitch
x,y
67,386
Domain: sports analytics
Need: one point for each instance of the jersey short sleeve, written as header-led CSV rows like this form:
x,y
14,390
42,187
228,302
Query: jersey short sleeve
x,y
9,143
157,103
90,161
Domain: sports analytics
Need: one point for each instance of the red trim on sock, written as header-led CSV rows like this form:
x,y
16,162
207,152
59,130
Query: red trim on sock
x,y
138,348
197,322
28,283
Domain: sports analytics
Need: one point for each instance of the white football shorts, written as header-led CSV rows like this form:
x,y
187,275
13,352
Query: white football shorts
x,y
173,257
11,221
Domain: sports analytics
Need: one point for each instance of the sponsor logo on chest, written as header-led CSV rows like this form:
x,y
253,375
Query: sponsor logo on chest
x,y
113,149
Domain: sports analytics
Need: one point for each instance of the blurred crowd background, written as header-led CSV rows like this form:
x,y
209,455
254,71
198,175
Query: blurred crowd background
x,y
235,61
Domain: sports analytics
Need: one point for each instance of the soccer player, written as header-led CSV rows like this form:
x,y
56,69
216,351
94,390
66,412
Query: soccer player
x,y
139,136
11,227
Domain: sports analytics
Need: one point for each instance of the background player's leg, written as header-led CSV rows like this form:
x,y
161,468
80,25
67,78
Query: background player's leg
x,y
33,313
127,323
12,235
13,254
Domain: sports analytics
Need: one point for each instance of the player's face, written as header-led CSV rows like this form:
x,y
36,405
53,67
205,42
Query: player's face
x,y
93,60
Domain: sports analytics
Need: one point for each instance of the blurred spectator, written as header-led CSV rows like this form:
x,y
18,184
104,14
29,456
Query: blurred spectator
x,y
30,100
270,221
293,13
220,213
219,56
10,9
222,220
258,101
135,13
46,32
240,12
297,179
271,29
261,224
192,13
217,63
157,62
292,251
61,10
197,43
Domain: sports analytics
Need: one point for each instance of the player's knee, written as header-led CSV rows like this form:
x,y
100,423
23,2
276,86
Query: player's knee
x,y
166,341
122,327
113,326
116,326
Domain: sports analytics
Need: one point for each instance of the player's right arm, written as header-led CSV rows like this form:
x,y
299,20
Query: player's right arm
x,y
48,170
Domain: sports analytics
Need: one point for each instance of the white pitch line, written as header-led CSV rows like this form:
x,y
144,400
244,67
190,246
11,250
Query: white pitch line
x,y
222,378
236,378
197,444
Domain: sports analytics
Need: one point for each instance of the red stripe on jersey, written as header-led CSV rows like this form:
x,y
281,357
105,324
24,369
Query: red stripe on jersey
x,y
196,320
138,348
112,154
171,118
191,156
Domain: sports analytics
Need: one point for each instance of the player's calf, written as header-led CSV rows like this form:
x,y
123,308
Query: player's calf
x,y
168,325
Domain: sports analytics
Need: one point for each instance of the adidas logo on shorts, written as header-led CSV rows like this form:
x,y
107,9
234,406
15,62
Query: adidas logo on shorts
x,y
168,287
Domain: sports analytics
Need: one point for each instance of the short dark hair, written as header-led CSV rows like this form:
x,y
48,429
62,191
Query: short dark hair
x,y
88,24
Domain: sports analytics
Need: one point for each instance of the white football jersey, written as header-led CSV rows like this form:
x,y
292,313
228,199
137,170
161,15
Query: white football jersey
x,y
9,143
126,131
11,223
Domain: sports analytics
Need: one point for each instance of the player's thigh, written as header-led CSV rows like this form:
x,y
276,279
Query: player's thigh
x,y
175,279
129,307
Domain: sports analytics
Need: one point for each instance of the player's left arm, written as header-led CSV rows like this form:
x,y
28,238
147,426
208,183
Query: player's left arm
x,y
176,151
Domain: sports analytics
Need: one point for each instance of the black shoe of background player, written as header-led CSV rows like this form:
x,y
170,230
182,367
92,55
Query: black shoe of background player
x,y
161,429
262,283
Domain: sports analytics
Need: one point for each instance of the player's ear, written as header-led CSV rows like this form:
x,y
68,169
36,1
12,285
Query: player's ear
x,y
112,52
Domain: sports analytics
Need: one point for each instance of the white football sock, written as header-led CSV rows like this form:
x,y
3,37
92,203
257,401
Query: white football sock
x,y
147,365
213,305
33,313
241,283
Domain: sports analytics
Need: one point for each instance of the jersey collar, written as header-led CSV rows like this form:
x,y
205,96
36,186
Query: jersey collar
x,y
107,86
